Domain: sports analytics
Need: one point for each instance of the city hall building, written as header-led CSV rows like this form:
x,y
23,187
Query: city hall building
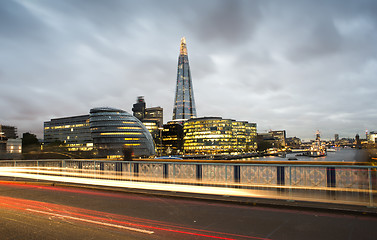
x,y
105,132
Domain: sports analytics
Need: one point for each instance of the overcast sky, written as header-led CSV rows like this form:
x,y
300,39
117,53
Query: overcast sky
x,y
298,65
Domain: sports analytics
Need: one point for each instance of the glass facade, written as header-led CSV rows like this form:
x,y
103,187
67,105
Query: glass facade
x,y
184,105
73,132
113,130
214,135
172,138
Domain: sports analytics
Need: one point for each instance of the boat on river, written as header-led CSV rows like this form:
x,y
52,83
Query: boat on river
x,y
317,149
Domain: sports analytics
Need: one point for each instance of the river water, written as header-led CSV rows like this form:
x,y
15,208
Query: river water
x,y
340,155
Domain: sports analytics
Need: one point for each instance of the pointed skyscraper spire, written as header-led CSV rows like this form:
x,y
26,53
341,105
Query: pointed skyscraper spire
x,y
184,106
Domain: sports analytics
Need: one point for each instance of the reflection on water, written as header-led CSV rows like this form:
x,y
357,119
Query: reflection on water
x,y
340,155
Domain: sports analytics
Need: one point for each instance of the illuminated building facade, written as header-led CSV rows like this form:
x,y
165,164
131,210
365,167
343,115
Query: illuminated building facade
x,y
215,135
141,112
72,132
281,136
8,132
293,142
372,137
184,105
10,144
156,114
113,130
172,138
152,118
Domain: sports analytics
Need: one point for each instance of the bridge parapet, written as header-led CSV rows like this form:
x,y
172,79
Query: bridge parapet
x,y
350,184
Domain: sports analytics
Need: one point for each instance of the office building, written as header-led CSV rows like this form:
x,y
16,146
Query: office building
x,y
293,142
155,114
152,118
8,132
139,108
71,132
281,136
114,130
336,136
372,137
215,135
172,138
184,104
141,112
10,144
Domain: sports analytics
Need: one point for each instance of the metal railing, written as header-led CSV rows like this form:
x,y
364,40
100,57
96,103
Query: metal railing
x,y
346,184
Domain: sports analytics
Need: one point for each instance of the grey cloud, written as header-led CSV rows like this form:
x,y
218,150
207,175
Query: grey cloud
x,y
298,65
16,21
229,22
321,40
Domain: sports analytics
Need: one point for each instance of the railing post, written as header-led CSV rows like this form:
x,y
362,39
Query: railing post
x,y
118,167
290,183
370,187
237,177
226,175
166,170
331,180
199,172
280,174
136,169
173,172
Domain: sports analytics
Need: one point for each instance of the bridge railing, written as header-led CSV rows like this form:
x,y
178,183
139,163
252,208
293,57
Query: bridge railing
x,y
347,184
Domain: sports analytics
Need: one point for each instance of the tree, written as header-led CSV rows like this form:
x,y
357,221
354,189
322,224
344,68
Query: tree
x,y
30,142
264,145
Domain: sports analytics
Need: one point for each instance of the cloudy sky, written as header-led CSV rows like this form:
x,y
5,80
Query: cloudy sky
x,y
293,65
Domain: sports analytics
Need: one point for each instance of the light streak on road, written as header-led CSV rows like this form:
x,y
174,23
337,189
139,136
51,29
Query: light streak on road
x,y
22,173
145,226
204,188
92,221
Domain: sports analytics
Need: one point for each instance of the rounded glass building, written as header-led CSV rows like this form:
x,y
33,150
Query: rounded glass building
x,y
113,130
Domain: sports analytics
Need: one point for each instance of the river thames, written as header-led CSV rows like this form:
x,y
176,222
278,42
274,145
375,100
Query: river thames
x,y
339,155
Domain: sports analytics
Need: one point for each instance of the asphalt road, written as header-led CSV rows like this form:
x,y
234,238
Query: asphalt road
x,y
29,211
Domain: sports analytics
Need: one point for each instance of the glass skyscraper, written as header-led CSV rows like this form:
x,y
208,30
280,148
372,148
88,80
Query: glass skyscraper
x,y
184,106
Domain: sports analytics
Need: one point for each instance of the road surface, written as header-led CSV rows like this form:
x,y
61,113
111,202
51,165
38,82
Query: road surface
x,y
32,211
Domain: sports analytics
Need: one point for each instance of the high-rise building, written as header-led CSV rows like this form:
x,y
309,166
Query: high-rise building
x,y
184,105
152,118
139,108
336,136
172,138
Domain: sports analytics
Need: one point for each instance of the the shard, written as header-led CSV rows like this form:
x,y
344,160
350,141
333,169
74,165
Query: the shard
x,y
184,106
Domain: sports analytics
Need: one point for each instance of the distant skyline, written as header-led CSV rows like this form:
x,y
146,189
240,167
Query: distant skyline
x,y
297,65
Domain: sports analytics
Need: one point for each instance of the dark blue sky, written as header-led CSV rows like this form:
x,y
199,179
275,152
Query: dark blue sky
x,y
294,65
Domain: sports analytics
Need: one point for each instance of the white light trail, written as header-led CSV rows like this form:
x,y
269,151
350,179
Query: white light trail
x,y
20,173
92,221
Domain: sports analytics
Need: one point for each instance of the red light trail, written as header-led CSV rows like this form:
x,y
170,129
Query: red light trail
x,y
140,225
